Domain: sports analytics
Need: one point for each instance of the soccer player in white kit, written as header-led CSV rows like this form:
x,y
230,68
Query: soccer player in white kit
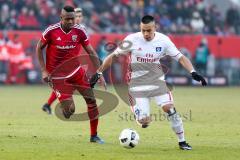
x,y
148,47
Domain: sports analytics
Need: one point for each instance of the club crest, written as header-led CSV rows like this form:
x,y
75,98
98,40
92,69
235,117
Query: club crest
x,y
158,49
74,38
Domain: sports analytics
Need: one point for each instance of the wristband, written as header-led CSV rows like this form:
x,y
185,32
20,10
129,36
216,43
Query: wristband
x,y
193,70
99,73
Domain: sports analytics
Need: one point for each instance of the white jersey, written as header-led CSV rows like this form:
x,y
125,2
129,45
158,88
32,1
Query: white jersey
x,y
143,52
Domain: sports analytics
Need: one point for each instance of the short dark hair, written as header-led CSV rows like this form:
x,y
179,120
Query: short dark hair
x,y
147,19
68,8
78,10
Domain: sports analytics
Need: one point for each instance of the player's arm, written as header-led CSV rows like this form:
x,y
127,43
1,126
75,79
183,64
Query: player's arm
x,y
96,61
106,64
93,55
185,62
39,50
124,48
88,47
173,52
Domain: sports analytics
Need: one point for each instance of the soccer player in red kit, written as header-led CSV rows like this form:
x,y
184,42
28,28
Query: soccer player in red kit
x,y
47,106
64,41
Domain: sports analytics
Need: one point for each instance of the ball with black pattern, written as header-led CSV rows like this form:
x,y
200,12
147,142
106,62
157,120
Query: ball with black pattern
x,y
129,138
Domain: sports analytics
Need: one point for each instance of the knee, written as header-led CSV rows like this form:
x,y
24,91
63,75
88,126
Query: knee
x,y
68,104
90,100
144,122
68,108
88,96
167,108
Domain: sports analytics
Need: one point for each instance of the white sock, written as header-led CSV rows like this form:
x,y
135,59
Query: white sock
x,y
177,126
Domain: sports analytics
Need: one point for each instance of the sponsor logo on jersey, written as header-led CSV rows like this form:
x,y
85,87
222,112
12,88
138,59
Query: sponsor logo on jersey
x,y
58,39
158,49
65,47
147,60
74,38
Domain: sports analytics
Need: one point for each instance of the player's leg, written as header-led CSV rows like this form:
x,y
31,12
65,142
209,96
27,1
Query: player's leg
x,y
80,83
64,92
67,106
47,106
166,102
141,110
93,114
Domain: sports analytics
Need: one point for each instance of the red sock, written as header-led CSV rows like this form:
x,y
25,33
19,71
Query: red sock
x,y
52,98
93,126
93,116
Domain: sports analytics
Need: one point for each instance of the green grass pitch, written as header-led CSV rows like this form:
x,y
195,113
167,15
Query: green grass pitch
x,y
211,120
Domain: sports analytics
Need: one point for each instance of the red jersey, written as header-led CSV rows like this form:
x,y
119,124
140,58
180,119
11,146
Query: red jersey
x,y
62,46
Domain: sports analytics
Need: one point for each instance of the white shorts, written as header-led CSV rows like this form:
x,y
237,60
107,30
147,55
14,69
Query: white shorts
x,y
142,107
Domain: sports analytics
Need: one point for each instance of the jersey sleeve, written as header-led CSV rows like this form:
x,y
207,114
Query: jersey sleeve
x,y
46,36
84,36
124,47
172,50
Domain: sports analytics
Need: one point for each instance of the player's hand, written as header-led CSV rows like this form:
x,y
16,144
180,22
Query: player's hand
x,y
199,78
94,79
45,76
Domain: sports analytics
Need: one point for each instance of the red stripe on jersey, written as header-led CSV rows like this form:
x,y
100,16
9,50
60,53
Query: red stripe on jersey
x,y
131,102
170,102
170,96
129,73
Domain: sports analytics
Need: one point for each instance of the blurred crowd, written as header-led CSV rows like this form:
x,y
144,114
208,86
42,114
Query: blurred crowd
x,y
15,61
173,16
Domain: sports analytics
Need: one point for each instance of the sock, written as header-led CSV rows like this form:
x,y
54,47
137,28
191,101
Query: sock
x,y
177,126
93,116
52,98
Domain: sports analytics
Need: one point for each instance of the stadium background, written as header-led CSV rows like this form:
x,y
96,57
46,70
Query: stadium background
x,y
205,31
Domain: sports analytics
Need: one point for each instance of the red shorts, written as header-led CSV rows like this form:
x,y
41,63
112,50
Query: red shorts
x,y
64,87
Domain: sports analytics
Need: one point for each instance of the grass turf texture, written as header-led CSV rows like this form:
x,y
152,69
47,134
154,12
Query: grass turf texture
x,y
211,124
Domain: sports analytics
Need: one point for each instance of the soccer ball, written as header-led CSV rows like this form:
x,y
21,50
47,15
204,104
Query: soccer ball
x,y
129,138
